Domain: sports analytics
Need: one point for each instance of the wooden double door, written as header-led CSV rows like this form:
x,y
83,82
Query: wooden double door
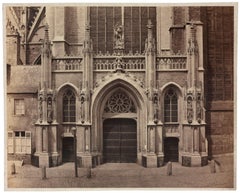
x,y
120,140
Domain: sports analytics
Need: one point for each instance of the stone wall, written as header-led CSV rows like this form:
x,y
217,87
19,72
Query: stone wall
x,y
12,49
24,122
75,24
220,128
218,63
177,30
20,157
24,79
179,15
23,84
33,52
68,77
177,77
75,28
194,13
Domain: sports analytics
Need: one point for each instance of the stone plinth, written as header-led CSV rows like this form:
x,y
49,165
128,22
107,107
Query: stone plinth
x,y
44,160
196,160
151,161
86,161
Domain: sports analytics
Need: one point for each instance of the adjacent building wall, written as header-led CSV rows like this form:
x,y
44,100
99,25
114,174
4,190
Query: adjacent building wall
x,y
219,77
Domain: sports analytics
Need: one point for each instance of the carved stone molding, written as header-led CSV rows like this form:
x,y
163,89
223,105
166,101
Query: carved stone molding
x,y
67,63
124,75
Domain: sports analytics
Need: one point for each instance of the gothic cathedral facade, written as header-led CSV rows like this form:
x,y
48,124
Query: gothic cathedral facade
x,y
118,84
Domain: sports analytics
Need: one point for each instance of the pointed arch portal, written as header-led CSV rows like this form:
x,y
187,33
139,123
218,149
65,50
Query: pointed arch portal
x,y
119,118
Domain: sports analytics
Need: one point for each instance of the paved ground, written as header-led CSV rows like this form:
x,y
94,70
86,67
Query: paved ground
x,y
121,176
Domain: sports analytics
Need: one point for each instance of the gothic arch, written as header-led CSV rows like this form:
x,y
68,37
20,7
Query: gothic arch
x,y
173,84
59,94
100,97
178,91
67,84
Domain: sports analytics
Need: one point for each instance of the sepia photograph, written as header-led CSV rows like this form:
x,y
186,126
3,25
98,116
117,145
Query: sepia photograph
x,y
113,96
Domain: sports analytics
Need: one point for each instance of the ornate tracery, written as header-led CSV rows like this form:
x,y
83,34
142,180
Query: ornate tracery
x,y
69,106
119,102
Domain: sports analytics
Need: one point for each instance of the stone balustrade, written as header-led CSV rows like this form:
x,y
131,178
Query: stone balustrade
x,y
129,63
67,64
171,63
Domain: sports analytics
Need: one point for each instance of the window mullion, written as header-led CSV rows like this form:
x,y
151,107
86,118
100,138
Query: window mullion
x,y
69,108
170,108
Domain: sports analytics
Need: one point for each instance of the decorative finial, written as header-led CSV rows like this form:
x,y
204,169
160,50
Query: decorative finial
x,y
46,36
150,42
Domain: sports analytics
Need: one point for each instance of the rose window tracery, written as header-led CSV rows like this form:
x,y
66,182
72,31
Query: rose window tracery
x,y
119,102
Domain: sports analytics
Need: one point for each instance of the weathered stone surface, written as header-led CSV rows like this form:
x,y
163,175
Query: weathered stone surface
x,y
135,75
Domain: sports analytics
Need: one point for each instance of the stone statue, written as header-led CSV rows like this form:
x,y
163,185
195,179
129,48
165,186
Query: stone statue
x,y
155,115
49,111
189,109
118,37
40,110
155,98
199,108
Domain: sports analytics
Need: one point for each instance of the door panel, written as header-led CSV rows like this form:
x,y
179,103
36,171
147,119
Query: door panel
x,y
171,149
119,140
67,149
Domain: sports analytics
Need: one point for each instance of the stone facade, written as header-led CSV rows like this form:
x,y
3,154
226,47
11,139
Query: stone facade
x,y
78,69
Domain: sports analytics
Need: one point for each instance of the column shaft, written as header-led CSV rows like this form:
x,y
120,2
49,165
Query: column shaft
x,y
45,140
38,139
